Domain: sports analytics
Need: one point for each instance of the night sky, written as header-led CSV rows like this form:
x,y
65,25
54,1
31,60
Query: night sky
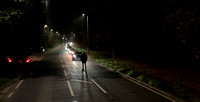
x,y
63,13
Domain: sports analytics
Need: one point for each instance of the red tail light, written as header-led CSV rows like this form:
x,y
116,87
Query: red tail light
x,y
9,60
28,60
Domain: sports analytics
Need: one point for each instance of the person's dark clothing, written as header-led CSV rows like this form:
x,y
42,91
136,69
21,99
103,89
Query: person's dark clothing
x,y
84,58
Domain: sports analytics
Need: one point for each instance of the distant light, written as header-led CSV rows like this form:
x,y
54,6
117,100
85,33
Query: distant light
x,y
21,0
9,60
45,26
83,14
28,60
70,43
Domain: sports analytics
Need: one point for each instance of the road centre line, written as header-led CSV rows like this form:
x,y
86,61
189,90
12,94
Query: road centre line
x,y
69,85
75,64
98,86
65,73
82,81
70,88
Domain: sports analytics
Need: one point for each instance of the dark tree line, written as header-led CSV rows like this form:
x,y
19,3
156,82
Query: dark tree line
x,y
21,22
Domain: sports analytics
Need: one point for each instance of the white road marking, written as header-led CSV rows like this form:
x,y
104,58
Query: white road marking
x,y
68,83
149,89
10,94
98,86
65,73
82,81
15,88
70,88
19,84
75,64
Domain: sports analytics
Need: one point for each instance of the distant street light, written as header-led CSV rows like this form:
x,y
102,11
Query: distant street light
x,y
45,26
88,41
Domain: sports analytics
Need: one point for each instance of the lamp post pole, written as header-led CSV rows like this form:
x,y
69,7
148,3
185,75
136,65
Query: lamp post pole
x,y
88,40
88,36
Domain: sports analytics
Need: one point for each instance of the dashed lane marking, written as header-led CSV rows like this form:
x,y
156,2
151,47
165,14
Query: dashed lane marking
x,y
98,86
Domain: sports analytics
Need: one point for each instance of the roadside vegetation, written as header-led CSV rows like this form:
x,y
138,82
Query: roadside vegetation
x,y
7,76
4,81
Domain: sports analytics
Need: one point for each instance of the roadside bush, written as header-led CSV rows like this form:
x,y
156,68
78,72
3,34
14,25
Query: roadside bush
x,y
4,81
129,73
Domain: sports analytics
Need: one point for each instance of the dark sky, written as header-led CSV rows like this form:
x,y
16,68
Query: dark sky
x,y
64,11
126,12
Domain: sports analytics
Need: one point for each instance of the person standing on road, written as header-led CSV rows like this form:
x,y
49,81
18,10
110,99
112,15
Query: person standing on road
x,y
84,61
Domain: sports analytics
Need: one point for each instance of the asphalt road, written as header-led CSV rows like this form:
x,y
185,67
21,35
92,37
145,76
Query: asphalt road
x,y
54,77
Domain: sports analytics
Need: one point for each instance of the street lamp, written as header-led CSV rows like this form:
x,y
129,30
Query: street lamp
x,y
88,41
45,27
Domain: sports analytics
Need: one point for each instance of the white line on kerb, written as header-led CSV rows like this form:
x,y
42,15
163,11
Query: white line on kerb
x,y
98,86
70,88
150,89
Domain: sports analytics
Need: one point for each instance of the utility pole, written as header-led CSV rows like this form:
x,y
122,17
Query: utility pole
x,y
88,40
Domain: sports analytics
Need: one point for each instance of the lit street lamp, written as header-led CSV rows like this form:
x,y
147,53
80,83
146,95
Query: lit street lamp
x,y
45,27
88,41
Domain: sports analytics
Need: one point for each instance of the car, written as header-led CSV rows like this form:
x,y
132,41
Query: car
x,y
71,51
76,56
19,56
19,59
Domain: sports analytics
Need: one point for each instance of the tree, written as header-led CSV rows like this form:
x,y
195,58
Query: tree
x,y
21,21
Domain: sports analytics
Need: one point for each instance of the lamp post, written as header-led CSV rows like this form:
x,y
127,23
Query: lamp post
x,y
88,41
